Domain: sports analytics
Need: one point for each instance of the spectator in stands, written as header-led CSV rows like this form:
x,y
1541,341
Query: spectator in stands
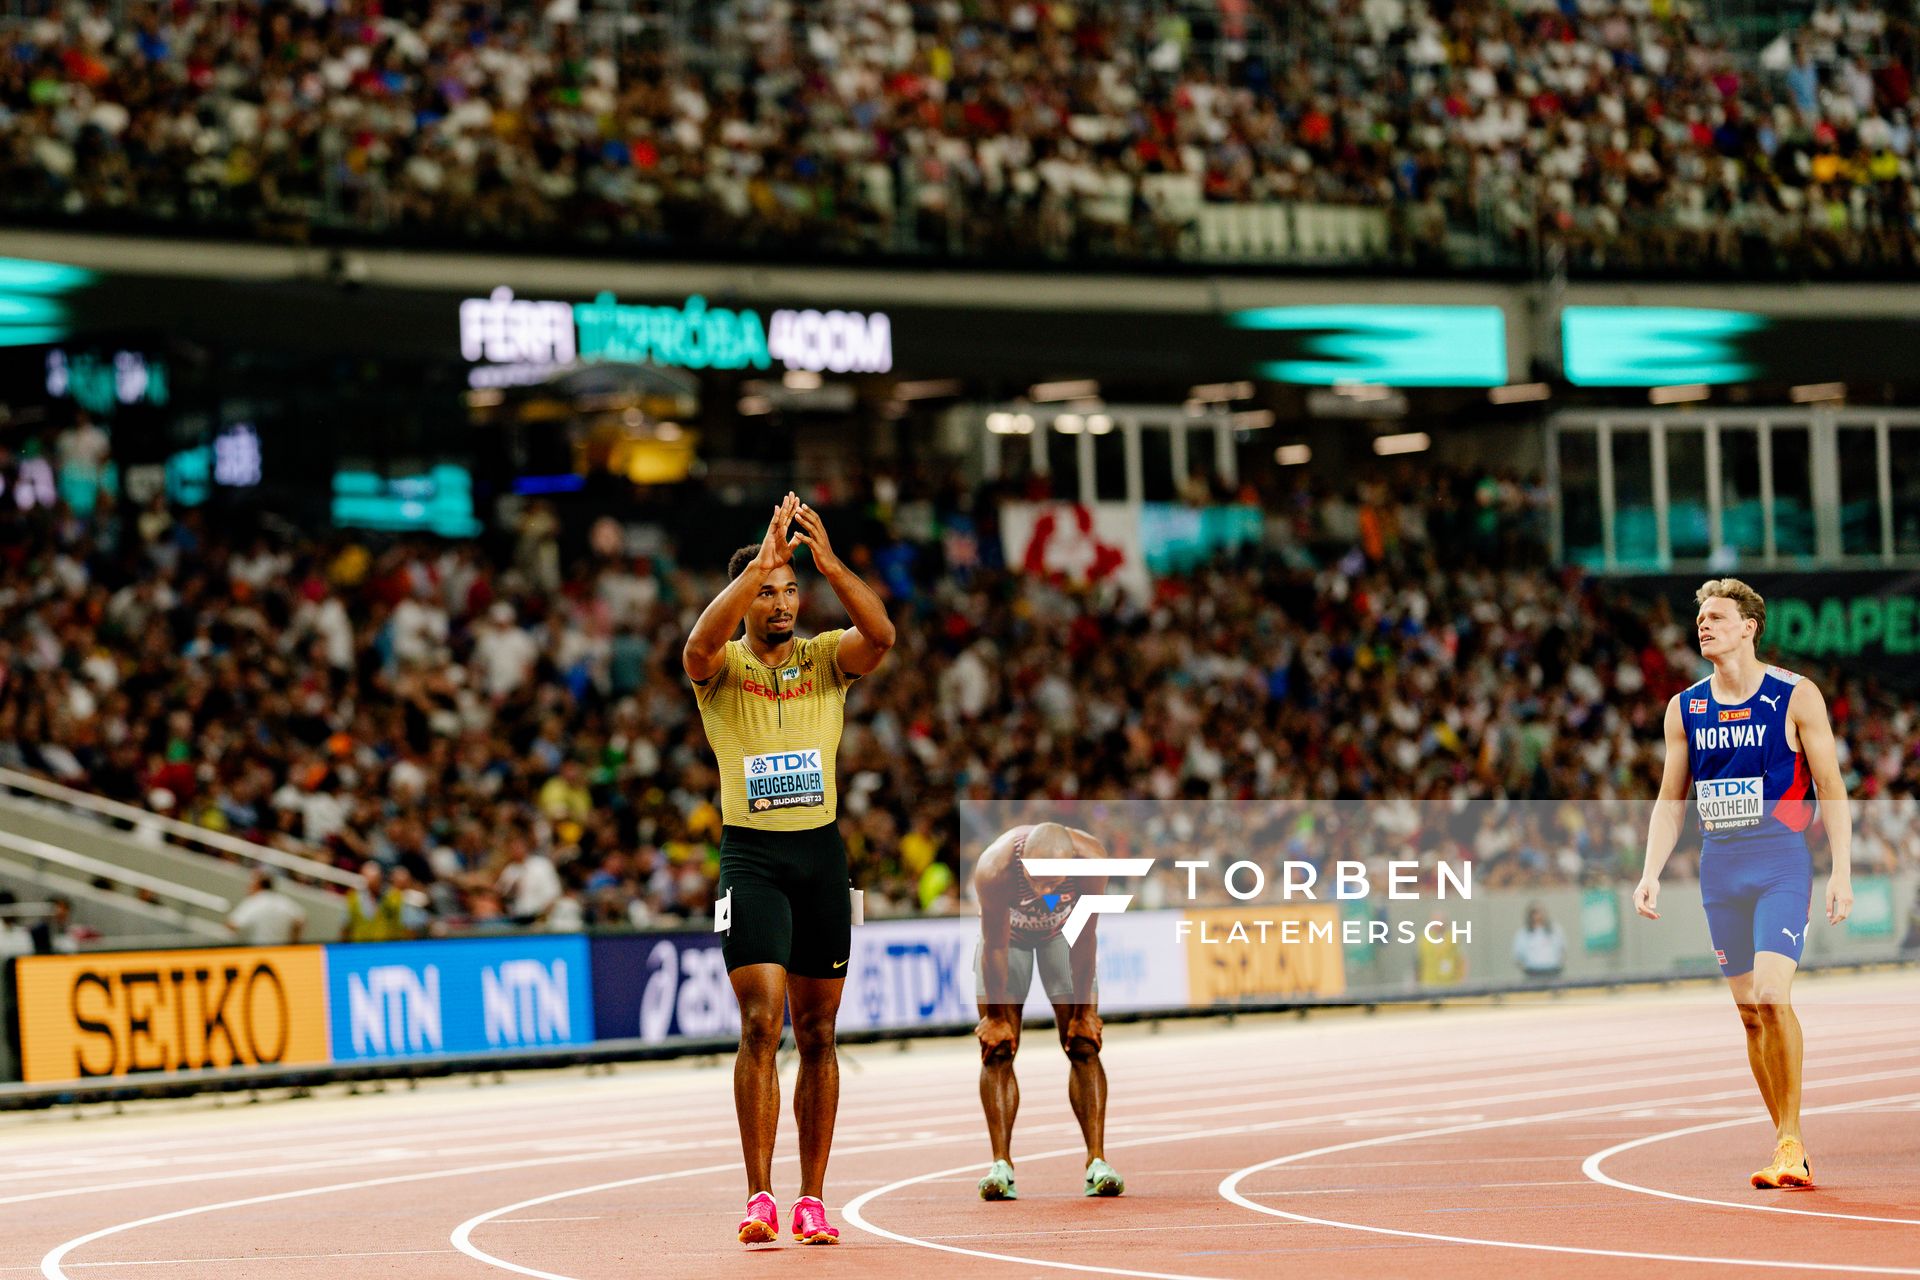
x,y
1611,134
1426,652
1539,948
416,905
267,917
376,911
565,795
568,914
1439,959
528,884
55,933
504,654
14,939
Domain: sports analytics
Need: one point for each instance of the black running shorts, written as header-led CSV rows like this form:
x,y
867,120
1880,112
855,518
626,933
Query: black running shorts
x,y
791,903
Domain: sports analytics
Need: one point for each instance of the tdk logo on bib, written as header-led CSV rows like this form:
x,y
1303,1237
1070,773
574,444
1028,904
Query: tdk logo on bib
x,y
785,780
1727,803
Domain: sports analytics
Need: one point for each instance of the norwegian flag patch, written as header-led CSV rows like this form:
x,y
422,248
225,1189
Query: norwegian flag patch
x,y
1697,706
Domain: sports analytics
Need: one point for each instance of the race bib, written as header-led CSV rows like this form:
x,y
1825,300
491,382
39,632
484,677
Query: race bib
x,y
785,780
1727,804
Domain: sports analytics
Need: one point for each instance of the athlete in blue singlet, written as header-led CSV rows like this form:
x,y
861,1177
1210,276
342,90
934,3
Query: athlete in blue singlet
x,y
1756,745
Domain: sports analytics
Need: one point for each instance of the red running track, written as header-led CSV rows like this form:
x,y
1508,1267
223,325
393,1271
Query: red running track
x,y
1608,1136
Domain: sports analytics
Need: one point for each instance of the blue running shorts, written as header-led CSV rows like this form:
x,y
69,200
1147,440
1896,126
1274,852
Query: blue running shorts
x,y
1756,900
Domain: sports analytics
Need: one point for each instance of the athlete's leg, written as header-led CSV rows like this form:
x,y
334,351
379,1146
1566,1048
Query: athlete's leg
x,y
999,1035
999,1089
1080,1034
816,1095
1779,939
817,894
1730,907
756,948
761,990
1741,986
1780,1036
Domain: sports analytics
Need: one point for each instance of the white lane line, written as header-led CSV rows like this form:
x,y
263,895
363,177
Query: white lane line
x,y
1135,1230
855,1215
634,1147
116,1156
51,1264
1591,1166
1408,1186
249,1257
462,1237
597,1114
579,1217
1230,1189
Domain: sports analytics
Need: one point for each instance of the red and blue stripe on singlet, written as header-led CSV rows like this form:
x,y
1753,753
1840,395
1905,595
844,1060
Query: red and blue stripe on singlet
x,y
1751,789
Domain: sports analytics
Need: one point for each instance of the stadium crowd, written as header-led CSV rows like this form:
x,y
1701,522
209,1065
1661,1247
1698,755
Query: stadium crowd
x,y
510,738
1612,134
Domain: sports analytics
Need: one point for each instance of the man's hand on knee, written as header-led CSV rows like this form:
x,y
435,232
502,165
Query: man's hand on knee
x,y
998,1042
1082,1035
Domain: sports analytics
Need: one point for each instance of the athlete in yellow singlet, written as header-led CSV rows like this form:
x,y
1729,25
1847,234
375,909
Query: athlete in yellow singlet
x,y
773,706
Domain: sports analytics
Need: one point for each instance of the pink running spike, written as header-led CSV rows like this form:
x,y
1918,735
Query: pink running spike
x,y
810,1223
762,1223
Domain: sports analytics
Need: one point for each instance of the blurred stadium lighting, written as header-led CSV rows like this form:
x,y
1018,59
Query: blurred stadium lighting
x,y
1043,392
1520,393
1815,392
1362,390
801,380
927,389
1405,442
1253,420
1220,392
1099,424
1679,395
1293,455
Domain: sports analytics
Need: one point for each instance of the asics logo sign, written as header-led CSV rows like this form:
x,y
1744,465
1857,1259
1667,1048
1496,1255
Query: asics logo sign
x,y
1092,904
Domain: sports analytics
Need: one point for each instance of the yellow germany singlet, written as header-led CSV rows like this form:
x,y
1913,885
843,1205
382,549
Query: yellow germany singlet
x,y
775,732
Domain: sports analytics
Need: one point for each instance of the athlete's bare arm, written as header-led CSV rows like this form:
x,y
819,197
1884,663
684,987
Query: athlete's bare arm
x,y
1669,811
993,884
703,654
872,635
1807,712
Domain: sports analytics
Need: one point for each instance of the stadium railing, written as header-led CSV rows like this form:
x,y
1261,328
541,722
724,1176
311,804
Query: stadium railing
x,y
166,849
162,902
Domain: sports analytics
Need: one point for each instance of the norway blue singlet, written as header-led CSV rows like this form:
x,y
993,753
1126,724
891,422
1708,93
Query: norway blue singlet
x,y
1754,798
